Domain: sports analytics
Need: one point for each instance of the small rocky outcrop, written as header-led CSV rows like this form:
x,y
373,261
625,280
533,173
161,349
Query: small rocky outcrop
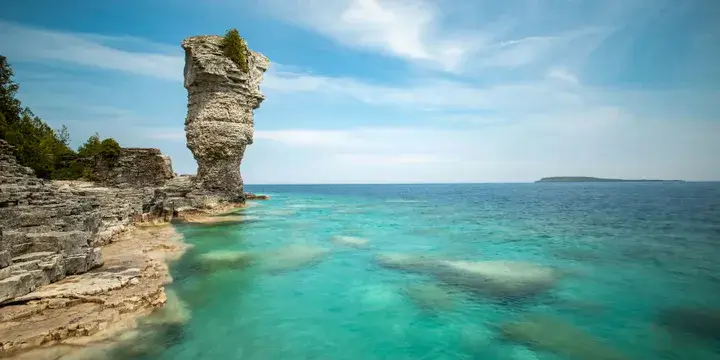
x,y
137,167
219,123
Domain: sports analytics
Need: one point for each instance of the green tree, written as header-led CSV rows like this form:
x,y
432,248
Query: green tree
x,y
91,147
41,148
64,135
10,107
235,48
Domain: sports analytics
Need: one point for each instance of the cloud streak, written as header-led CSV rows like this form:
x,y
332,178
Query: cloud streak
x,y
31,44
421,32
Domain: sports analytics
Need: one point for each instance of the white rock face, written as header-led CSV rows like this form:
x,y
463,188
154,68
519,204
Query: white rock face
x,y
219,123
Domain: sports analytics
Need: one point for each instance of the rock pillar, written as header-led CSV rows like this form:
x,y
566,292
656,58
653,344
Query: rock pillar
x,y
219,123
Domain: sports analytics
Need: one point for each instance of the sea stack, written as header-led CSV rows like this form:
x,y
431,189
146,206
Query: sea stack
x,y
219,125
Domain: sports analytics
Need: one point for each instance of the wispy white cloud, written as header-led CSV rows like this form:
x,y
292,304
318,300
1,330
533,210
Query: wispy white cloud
x,y
22,43
421,31
562,74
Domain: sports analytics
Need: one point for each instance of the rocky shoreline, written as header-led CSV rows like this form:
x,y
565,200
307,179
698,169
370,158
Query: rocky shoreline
x,y
97,306
82,262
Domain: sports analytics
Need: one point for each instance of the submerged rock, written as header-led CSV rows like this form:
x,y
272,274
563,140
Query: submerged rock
x,y
504,279
378,297
175,311
430,296
406,262
226,259
561,338
292,257
350,241
499,279
700,322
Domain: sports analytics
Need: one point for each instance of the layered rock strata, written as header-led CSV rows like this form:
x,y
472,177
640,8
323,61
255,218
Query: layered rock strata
x,y
137,167
97,307
46,231
219,123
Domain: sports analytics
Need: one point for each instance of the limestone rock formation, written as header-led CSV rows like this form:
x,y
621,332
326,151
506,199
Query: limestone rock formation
x,y
54,229
137,167
219,123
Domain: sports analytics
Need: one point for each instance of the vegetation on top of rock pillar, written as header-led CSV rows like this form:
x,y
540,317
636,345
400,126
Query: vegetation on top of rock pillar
x,y
235,48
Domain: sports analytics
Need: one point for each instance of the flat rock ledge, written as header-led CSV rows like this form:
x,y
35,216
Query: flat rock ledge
x,y
95,306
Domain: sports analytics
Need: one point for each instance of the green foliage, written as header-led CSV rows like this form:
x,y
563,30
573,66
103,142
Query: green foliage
x,y
110,149
107,149
91,147
235,48
41,148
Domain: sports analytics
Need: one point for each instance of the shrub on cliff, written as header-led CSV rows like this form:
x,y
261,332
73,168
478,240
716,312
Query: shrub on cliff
x,y
235,48
37,145
107,149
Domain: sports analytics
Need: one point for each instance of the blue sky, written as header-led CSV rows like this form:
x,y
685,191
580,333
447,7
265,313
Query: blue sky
x,y
397,90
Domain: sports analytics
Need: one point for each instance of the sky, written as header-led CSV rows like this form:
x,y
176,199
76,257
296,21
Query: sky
x,y
396,91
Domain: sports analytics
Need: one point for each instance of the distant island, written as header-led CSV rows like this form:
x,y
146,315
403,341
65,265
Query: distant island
x,y
594,179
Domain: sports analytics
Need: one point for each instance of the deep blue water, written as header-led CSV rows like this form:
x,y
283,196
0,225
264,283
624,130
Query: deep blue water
x,y
639,267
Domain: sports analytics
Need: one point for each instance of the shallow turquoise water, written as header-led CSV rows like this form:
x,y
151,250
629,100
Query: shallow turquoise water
x,y
630,253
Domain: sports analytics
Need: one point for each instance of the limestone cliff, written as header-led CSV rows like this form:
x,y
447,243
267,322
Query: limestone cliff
x,y
219,123
53,229
137,167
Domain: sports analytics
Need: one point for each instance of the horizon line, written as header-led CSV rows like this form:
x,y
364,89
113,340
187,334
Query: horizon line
x,y
475,183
